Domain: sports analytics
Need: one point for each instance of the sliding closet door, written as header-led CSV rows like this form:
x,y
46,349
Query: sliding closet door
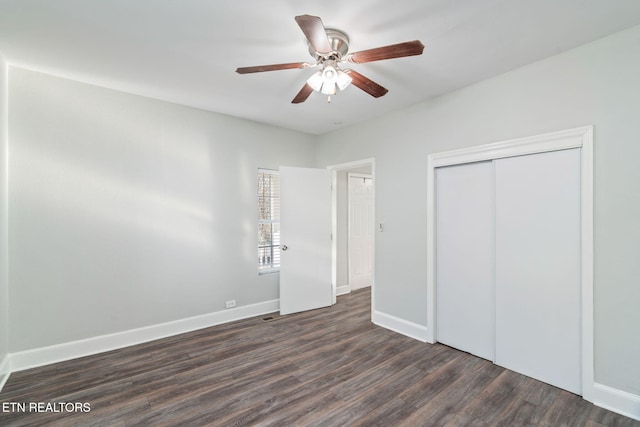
x,y
465,236
538,266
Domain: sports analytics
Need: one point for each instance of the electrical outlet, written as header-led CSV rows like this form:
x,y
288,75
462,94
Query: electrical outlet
x,y
231,303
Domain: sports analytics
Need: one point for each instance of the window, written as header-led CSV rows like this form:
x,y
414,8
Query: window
x,y
268,221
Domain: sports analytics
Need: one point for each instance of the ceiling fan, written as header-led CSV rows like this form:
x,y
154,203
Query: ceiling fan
x,y
330,48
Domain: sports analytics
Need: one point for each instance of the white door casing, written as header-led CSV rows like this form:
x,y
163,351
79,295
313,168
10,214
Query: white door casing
x,y
581,138
305,227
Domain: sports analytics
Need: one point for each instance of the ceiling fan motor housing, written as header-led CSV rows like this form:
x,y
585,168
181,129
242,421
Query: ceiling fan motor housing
x,y
339,42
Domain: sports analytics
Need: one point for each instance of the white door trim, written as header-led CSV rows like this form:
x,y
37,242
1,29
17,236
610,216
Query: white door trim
x,y
582,138
334,221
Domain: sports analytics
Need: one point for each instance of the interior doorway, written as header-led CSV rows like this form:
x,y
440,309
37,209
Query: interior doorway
x,y
359,230
343,253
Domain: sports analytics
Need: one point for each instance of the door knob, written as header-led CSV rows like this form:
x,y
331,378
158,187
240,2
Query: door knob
x,y
284,247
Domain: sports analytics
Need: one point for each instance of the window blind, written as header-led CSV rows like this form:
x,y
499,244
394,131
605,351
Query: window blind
x,y
268,220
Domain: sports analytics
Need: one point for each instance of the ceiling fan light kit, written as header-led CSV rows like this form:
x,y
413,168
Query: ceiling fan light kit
x,y
329,79
329,47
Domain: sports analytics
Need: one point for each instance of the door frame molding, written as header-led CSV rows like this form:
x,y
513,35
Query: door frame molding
x,y
334,221
582,138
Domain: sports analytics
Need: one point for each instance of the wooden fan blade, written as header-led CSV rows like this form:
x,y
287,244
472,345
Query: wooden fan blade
x,y
314,31
387,52
303,94
366,84
272,67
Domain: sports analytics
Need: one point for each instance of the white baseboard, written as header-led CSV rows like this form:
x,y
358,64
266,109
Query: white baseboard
x,y
342,290
606,397
615,400
60,352
401,326
5,370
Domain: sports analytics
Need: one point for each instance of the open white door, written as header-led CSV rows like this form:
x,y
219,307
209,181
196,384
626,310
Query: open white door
x,y
305,236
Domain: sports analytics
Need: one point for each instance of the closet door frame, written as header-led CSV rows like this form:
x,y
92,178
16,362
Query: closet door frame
x,y
581,138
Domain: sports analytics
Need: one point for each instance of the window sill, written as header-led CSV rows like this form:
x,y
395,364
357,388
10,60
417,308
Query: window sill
x,y
271,271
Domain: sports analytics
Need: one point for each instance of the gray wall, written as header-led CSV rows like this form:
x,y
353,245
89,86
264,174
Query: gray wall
x,y
128,212
4,278
595,84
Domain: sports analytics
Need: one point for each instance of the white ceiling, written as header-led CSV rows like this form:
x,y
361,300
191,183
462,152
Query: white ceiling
x,y
186,51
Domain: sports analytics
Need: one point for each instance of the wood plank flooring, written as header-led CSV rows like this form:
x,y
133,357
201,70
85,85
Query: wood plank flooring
x,y
327,367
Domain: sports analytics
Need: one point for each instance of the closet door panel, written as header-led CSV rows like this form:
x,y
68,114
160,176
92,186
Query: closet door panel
x,y
538,266
465,236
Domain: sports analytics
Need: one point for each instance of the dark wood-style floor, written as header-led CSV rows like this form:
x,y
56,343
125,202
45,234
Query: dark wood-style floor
x,y
328,367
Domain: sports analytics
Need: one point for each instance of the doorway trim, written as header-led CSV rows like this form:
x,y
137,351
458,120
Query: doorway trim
x,y
582,138
334,221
